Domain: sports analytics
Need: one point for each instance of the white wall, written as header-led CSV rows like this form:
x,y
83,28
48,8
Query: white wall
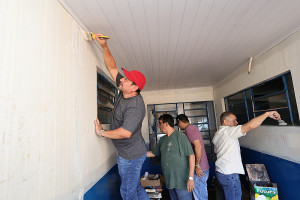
x,y
173,96
282,142
48,148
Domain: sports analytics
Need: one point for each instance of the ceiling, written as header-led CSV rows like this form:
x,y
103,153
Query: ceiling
x,y
187,43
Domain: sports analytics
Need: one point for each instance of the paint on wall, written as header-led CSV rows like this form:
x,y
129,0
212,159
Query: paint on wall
x,y
48,147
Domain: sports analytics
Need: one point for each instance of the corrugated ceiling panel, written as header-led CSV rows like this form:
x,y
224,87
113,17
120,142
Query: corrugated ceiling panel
x,y
187,43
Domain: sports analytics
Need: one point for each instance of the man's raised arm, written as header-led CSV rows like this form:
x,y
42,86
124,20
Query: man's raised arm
x,y
256,122
108,58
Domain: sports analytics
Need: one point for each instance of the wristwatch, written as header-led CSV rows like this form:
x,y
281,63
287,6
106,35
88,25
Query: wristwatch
x,y
191,178
101,131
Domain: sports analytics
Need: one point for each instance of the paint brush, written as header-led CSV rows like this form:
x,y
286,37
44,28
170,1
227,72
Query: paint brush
x,y
91,36
99,36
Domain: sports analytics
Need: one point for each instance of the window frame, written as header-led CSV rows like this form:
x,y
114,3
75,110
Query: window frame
x,y
253,99
110,96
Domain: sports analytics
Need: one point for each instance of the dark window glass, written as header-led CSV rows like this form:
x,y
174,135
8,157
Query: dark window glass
x,y
269,87
236,105
271,102
249,104
277,94
106,96
292,98
211,116
104,115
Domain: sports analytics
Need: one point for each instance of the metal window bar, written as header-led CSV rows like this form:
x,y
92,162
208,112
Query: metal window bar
x,y
209,133
111,98
105,108
252,98
108,98
106,80
288,98
271,109
196,109
268,95
107,92
198,116
208,124
246,104
155,125
252,102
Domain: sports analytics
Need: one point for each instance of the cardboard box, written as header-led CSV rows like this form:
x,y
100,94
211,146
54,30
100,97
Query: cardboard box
x,y
157,184
260,186
152,186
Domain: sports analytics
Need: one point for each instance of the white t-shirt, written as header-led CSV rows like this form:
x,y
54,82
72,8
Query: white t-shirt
x,y
227,149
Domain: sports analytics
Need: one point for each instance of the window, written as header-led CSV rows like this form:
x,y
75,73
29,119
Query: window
x,y
200,114
154,112
106,97
275,94
240,104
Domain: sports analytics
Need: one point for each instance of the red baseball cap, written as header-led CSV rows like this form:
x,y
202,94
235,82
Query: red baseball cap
x,y
136,76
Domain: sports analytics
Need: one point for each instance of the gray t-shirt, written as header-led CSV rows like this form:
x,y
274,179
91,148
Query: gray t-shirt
x,y
129,114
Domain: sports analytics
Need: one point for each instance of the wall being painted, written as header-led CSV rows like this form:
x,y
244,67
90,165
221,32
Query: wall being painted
x,y
282,142
174,96
48,148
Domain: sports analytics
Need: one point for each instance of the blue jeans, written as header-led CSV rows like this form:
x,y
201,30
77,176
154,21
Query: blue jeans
x,y
200,190
130,172
231,185
179,194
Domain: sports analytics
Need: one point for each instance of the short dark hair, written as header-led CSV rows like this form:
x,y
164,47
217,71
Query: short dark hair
x,y
167,118
183,118
224,115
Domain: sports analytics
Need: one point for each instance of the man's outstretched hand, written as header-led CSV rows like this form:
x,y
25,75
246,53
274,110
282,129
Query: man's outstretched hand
x,y
274,115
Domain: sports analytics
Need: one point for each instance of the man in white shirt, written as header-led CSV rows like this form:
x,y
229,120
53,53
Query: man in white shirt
x,y
227,148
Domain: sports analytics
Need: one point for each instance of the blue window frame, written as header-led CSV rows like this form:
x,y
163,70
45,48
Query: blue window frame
x,y
106,97
274,94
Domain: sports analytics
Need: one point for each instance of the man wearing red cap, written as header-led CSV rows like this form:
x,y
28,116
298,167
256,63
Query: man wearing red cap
x,y
125,127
